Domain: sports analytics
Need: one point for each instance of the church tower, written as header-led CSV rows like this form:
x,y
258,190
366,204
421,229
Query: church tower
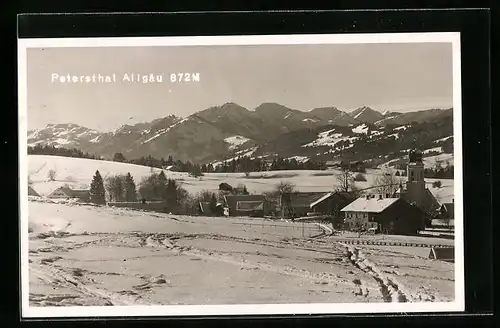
x,y
415,186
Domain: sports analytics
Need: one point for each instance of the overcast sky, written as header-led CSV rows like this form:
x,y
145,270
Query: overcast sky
x,y
397,77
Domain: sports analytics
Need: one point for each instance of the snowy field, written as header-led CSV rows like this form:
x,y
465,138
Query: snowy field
x,y
91,255
78,173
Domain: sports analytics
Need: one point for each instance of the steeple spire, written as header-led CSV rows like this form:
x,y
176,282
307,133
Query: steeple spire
x,y
415,155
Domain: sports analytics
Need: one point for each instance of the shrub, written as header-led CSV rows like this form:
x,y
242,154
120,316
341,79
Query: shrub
x,y
437,184
359,177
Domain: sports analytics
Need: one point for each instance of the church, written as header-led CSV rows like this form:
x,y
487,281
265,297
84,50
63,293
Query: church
x,y
415,192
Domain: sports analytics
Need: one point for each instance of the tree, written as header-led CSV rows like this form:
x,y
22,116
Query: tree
x,y
386,183
52,175
171,195
115,186
160,187
345,179
284,188
195,171
149,187
241,189
97,191
119,157
130,189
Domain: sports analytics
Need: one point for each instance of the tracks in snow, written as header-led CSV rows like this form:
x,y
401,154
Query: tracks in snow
x,y
391,291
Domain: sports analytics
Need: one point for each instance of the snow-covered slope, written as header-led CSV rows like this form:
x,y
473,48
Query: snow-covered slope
x,y
78,172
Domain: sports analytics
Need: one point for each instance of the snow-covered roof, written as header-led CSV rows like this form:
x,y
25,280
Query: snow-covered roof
x,y
372,205
321,199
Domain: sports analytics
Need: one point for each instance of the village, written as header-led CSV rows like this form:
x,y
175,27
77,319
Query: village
x,y
146,246
394,208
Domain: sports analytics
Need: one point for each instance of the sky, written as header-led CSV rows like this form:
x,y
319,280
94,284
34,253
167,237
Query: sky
x,y
396,76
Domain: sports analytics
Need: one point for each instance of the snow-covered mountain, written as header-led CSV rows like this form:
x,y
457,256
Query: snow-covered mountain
x,y
64,135
230,130
366,115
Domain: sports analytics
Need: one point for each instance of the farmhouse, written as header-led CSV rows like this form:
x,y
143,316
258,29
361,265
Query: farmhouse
x,y
61,192
245,205
67,192
389,215
446,215
32,192
416,192
332,164
299,204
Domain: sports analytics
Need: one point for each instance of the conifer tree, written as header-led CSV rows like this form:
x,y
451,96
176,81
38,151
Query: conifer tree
x,y
130,189
161,187
97,191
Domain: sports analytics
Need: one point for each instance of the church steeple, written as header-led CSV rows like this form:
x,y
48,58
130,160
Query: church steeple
x,y
415,164
415,185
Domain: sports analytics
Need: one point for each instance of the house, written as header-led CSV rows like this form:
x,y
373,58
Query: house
x,y
82,194
332,164
386,214
61,192
250,208
299,204
245,205
415,191
354,166
445,216
67,192
32,192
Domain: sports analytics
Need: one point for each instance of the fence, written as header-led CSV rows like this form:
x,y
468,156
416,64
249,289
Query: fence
x,y
291,229
157,206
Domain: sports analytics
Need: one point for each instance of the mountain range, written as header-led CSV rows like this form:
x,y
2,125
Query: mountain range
x,y
223,132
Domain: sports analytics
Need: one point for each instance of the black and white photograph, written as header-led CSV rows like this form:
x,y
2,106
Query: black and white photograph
x,y
278,174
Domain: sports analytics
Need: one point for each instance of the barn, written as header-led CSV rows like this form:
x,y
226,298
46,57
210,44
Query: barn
x,y
385,214
61,192
66,192
32,192
299,204
245,205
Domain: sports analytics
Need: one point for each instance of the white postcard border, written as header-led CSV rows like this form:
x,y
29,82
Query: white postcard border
x,y
241,309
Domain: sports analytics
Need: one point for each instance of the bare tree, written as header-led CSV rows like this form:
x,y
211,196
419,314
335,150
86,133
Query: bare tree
x,y
52,175
345,180
386,183
284,188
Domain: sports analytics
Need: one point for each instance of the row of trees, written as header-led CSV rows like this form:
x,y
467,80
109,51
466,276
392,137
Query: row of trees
x,y
59,151
155,187
247,164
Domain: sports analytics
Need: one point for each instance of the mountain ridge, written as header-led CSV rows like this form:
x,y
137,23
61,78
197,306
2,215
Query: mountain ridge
x,y
222,131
